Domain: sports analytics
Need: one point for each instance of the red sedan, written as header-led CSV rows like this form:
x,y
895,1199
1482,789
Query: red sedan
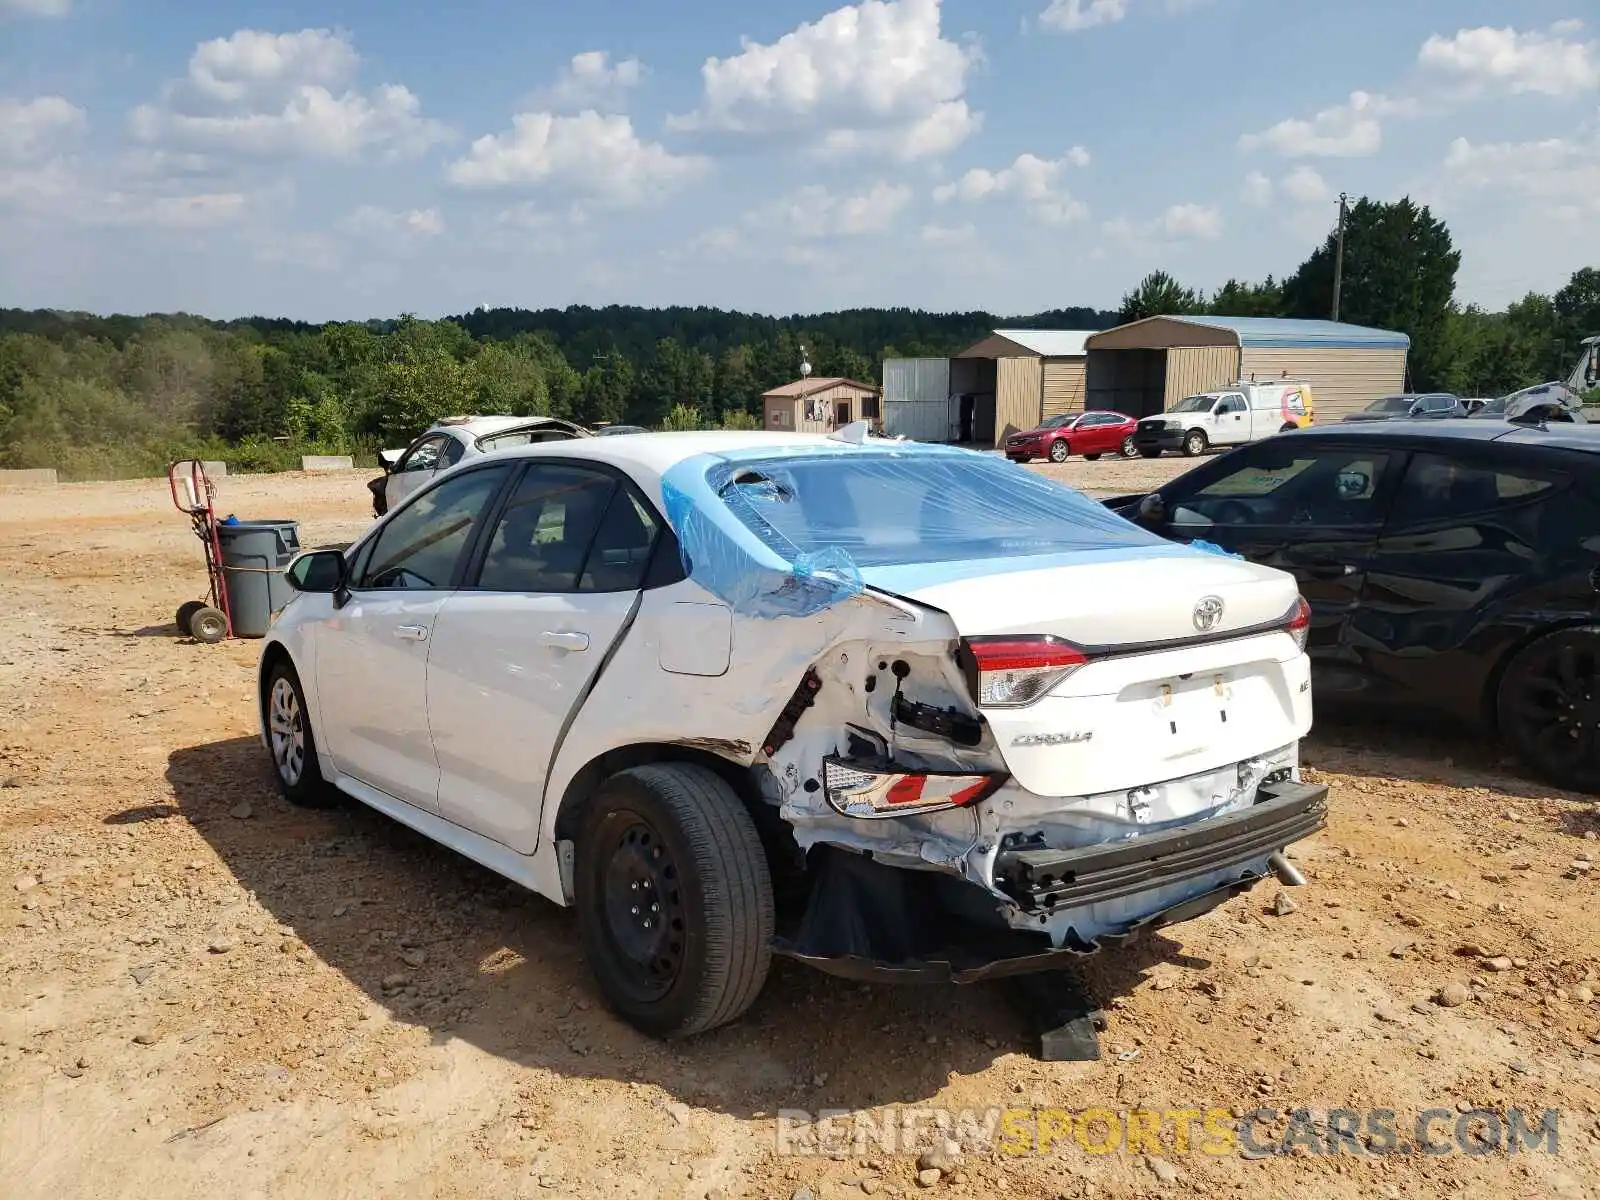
x,y
1090,434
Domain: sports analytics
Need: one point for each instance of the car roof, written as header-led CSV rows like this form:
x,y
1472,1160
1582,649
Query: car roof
x,y
1460,429
647,456
470,428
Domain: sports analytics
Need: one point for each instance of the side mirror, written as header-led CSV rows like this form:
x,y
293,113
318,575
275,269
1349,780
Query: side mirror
x,y
1153,509
317,571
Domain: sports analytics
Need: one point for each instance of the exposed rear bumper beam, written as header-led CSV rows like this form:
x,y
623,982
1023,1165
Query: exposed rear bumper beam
x,y
1284,813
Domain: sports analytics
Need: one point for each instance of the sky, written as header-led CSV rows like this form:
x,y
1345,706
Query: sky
x,y
352,159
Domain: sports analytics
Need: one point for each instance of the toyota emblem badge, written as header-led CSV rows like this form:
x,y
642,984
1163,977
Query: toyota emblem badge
x,y
1207,613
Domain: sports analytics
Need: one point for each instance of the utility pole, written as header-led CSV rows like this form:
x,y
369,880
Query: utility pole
x,y
1338,255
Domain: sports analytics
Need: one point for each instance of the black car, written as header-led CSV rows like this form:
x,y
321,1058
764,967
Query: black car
x,y
1433,405
1451,566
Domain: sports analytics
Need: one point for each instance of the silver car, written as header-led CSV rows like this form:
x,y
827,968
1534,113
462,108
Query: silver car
x,y
452,439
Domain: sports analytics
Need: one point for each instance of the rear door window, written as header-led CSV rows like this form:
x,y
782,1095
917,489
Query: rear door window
x,y
1437,488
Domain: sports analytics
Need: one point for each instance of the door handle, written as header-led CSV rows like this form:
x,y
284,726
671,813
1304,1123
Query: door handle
x,y
564,639
411,633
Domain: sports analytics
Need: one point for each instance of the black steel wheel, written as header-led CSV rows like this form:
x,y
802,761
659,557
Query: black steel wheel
x,y
674,899
1549,707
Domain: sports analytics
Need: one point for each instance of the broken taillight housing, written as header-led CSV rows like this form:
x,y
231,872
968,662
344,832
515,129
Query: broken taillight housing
x,y
871,790
1013,672
1298,626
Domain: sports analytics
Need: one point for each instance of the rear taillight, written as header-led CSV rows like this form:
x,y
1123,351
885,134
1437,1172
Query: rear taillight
x,y
857,789
1015,671
1298,626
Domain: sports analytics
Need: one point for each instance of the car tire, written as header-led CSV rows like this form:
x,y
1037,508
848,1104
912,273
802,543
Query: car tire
x,y
291,742
679,834
1019,458
1143,453
186,612
1128,450
1195,443
1289,427
1092,457
208,625
1548,707
1060,452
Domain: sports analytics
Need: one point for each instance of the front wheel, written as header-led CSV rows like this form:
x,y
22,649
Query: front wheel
x,y
1195,443
1059,452
1549,707
674,899
1092,457
1143,453
1127,446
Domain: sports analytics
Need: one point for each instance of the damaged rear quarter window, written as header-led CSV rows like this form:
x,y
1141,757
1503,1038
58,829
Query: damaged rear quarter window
x,y
888,509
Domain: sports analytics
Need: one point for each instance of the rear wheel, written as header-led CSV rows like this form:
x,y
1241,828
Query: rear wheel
x,y
1059,452
207,624
1127,446
1289,427
1143,453
186,612
674,899
293,745
1549,707
1194,443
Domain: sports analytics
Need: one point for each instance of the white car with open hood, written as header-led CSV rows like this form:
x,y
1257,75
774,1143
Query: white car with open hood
x,y
896,710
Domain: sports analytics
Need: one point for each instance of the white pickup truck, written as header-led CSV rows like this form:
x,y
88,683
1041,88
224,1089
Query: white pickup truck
x,y
1232,416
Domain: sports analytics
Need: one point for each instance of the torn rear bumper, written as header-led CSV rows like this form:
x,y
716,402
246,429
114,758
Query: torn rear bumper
x,y
870,922
1046,880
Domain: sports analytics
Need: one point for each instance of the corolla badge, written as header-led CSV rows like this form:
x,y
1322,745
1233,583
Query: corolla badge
x,y
1207,613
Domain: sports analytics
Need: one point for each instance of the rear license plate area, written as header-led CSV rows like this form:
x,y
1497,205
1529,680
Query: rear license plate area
x,y
1188,713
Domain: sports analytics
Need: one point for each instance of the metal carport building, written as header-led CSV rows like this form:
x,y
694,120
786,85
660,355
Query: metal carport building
x,y
1145,367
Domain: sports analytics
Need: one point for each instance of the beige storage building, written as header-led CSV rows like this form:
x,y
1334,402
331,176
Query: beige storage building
x,y
817,405
1145,367
1014,379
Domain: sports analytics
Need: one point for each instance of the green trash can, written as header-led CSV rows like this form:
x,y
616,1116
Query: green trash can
x,y
254,554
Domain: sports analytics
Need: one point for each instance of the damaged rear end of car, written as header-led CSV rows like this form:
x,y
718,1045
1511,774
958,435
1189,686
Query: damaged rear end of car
x,y
1016,728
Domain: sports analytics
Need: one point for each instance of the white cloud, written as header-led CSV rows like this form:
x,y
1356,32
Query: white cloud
x,y
35,8
816,212
1200,221
597,155
948,235
291,94
1033,180
34,129
1071,16
1350,130
1256,190
371,221
1180,223
1304,186
1559,176
866,77
592,80
1485,58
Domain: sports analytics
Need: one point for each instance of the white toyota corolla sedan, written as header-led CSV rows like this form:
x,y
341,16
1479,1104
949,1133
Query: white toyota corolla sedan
x,y
897,710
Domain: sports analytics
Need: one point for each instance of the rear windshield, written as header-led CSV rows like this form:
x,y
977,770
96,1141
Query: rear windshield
x,y
891,510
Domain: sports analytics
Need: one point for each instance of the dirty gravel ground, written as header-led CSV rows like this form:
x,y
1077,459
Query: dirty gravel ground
x,y
205,992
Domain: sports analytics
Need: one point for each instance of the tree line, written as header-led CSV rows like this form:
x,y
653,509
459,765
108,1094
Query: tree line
x,y
119,396
1399,273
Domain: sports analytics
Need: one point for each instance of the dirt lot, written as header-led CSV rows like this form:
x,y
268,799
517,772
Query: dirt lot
x,y
204,992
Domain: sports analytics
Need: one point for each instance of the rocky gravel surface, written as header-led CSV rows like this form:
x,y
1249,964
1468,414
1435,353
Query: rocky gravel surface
x,y
205,992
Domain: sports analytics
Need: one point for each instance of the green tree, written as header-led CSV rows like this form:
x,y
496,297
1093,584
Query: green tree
x,y
1239,299
1399,273
1159,294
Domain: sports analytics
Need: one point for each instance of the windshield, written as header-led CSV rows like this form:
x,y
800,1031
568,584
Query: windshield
x,y
1391,404
888,509
1194,404
1056,422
